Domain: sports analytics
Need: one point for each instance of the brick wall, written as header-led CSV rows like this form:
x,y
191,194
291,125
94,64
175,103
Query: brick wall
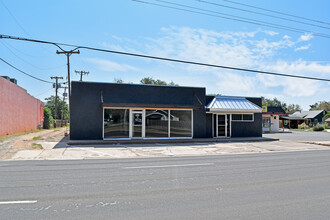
x,y
19,111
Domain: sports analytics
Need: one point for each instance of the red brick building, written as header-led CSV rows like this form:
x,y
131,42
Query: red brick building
x,y
19,111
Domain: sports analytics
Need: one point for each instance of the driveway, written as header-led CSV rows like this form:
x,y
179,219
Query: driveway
x,y
301,136
57,148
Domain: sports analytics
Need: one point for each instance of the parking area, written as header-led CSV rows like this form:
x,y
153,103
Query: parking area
x,y
301,136
53,149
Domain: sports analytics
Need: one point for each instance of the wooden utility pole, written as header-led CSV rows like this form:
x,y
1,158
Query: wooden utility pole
x,y
81,73
64,94
56,87
68,54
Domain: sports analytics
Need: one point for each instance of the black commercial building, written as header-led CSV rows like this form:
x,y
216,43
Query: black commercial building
x,y
107,111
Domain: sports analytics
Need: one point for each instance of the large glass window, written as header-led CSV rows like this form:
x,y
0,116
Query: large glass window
x,y
116,123
156,123
180,123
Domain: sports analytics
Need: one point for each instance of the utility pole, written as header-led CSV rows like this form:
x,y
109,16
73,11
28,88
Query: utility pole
x,y
64,95
56,87
68,54
81,73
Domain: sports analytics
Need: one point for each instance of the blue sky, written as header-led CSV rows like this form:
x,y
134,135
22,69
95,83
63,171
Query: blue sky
x,y
135,27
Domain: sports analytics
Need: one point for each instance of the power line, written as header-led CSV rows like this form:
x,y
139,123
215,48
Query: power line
x,y
259,13
232,17
277,12
24,72
166,59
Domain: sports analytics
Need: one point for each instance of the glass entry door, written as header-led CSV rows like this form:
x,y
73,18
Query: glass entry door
x,y
222,128
222,125
136,124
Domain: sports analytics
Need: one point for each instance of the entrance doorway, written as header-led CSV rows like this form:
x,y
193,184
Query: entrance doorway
x,y
222,125
137,123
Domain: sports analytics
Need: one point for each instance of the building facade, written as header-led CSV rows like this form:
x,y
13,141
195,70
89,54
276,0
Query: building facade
x,y
126,111
271,118
19,111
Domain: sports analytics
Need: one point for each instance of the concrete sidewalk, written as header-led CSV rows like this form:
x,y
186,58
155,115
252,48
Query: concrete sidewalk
x,y
62,151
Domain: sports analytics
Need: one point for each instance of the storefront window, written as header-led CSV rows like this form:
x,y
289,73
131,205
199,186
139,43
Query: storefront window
x,y
116,123
156,123
180,123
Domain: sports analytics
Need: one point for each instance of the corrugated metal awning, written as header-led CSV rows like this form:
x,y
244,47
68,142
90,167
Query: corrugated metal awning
x,y
232,104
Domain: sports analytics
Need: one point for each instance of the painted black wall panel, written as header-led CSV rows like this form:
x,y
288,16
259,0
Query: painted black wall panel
x,y
248,129
87,112
208,128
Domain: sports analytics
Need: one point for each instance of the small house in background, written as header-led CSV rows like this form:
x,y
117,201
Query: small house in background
x,y
271,118
307,117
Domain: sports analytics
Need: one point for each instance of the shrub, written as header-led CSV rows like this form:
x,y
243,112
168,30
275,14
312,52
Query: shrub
x,y
303,126
48,119
318,128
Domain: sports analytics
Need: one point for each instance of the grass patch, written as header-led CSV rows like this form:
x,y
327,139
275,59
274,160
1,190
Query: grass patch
x,y
301,129
37,146
3,138
36,138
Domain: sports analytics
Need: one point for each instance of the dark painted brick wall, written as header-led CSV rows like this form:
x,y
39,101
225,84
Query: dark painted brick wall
x,y
209,128
248,129
87,112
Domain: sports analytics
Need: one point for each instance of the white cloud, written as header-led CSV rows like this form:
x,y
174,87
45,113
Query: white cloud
x,y
306,47
261,50
110,66
306,37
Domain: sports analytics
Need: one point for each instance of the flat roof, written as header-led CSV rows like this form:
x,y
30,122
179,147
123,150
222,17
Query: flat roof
x,y
134,84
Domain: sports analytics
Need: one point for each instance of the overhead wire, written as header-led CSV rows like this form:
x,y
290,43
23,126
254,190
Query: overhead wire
x,y
276,12
24,72
263,14
164,59
232,17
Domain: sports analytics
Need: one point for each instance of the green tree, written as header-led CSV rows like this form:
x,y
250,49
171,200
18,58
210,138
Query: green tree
x,y
48,119
60,105
322,105
150,80
118,80
291,108
325,117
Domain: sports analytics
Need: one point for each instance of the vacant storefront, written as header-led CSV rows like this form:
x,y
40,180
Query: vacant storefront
x,y
147,123
112,111
234,116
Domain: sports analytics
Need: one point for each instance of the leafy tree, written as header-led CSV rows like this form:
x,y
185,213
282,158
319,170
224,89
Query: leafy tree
x,y
48,119
326,116
291,108
60,104
118,80
150,80
322,105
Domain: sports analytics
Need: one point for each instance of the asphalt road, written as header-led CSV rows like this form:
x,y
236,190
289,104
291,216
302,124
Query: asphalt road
x,y
293,185
301,136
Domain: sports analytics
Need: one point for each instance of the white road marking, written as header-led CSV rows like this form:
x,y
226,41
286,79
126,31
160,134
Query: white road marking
x,y
18,202
174,165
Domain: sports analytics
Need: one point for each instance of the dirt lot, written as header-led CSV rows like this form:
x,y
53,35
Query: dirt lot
x,y
9,147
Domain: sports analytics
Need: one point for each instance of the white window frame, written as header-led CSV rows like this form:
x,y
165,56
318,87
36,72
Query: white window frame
x,y
143,111
226,125
242,117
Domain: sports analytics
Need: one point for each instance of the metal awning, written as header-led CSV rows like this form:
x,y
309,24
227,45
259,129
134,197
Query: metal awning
x,y
232,104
